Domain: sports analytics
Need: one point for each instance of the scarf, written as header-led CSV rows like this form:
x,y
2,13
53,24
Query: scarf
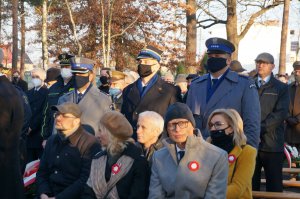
x,y
97,180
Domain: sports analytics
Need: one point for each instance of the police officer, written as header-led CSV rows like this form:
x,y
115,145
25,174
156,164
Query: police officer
x,y
149,92
64,84
223,88
92,102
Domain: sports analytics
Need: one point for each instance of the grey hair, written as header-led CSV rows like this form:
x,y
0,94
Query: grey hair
x,y
155,120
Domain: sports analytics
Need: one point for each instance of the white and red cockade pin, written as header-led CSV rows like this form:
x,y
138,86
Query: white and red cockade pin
x,y
194,166
115,169
231,158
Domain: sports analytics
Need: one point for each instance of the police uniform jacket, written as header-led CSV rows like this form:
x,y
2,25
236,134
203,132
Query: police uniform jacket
x,y
274,102
171,178
65,165
11,122
157,98
293,130
93,105
236,92
55,92
37,101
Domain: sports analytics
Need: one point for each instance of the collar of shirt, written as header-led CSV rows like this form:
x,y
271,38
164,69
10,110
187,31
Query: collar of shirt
x,y
37,89
81,92
211,77
266,79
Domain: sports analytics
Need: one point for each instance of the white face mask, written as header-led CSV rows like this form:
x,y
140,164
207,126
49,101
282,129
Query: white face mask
x,y
36,82
66,73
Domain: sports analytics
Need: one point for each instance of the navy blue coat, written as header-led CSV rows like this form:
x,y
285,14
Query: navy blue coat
x,y
235,91
37,100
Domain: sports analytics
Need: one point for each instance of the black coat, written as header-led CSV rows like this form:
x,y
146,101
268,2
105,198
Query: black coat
x,y
135,184
22,84
65,165
274,103
37,100
54,93
11,122
158,98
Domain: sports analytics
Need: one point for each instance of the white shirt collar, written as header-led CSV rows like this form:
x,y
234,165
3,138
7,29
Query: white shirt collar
x,y
266,79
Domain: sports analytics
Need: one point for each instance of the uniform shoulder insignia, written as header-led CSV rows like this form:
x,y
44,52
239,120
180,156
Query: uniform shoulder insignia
x,y
252,85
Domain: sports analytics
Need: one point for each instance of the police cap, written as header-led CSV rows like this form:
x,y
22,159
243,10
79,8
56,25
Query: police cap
x,y
64,59
219,46
150,52
81,65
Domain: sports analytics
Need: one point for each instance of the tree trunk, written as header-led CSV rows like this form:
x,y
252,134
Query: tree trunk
x,y
15,34
284,30
0,21
231,27
44,35
22,64
191,33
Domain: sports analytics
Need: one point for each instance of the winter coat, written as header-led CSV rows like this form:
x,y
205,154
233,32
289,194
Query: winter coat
x,y
65,165
11,122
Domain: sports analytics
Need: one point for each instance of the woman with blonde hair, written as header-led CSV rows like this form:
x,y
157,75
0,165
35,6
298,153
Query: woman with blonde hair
x,y
226,132
119,171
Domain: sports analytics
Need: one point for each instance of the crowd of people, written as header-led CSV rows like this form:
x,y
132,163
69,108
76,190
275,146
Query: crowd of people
x,y
147,136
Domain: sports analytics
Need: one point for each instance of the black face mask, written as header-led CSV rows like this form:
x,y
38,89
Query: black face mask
x,y
81,81
221,140
144,70
214,64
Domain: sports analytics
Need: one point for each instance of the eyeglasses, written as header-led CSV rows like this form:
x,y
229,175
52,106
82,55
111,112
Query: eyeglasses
x,y
55,115
217,125
181,124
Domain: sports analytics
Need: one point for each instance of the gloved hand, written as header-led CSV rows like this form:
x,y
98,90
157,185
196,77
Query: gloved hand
x,y
292,121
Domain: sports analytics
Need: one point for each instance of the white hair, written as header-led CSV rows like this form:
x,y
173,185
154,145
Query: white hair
x,y
155,120
40,72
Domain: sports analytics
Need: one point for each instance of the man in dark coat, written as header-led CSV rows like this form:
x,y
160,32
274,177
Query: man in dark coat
x,y
149,92
274,102
64,84
11,122
18,81
223,88
293,121
37,98
66,162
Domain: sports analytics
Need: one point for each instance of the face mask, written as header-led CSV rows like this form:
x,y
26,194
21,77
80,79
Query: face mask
x,y
114,91
66,73
36,82
144,70
214,64
297,78
81,81
221,140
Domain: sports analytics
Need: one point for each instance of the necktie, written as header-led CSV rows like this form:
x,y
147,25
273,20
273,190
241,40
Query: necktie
x,y
262,82
180,154
214,81
79,97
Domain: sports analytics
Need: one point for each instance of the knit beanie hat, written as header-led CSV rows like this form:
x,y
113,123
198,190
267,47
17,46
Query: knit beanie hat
x,y
179,111
117,124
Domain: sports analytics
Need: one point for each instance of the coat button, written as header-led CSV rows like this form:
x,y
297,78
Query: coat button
x,y
55,172
136,113
57,156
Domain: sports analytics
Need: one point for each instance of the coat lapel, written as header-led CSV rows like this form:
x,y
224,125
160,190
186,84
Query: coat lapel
x,y
134,94
236,151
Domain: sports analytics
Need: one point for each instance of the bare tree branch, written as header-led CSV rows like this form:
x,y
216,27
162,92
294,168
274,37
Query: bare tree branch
x,y
129,26
213,22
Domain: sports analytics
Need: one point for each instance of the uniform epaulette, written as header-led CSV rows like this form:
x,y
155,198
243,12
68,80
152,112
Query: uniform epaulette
x,y
99,154
200,78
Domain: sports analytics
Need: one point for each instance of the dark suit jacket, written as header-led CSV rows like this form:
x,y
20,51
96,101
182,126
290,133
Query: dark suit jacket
x,y
158,98
37,100
22,84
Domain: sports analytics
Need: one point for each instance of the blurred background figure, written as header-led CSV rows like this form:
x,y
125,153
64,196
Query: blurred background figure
x,y
52,75
284,78
182,83
169,77
37,97
105,78
293,121
189,78
236,66
18,81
